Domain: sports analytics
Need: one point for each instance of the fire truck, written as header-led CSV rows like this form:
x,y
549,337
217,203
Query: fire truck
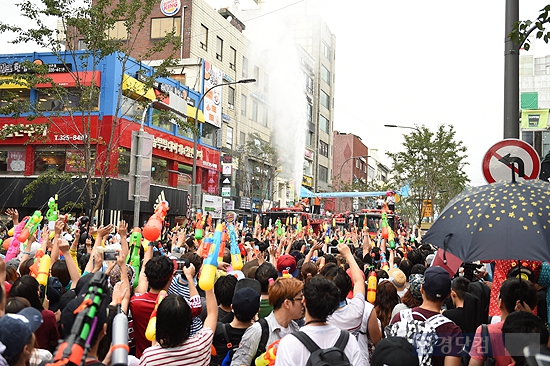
x,y
373,218
290,215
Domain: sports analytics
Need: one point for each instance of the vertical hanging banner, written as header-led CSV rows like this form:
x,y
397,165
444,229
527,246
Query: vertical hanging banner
x,y
213,100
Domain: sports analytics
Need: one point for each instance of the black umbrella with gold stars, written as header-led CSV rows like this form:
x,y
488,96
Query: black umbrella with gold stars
x,y
503,220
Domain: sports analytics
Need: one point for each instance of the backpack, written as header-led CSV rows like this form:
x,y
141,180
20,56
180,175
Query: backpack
x,y
231,348
420,333
333,356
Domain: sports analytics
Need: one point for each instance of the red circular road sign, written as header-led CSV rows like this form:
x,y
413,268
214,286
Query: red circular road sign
x,y
494,169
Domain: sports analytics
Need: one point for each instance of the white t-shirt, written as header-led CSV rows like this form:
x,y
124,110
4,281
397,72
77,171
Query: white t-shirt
x,y
292,352
350,316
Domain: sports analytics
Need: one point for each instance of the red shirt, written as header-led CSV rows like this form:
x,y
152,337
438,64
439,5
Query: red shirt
x,y
141,306
47,335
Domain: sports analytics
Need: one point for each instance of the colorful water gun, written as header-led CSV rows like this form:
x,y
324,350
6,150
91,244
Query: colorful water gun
x,y
372,282
52,213
279,227
391,238
13,249
151,331
198,225
285,274
287,221
385,226
383,262
210,264
208,220
206,246
43,274
31,226
153,228
268,357
35,268
236,259
119,349
133,257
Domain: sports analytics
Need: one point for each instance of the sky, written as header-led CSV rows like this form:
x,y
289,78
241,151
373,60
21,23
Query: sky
x,y
413,63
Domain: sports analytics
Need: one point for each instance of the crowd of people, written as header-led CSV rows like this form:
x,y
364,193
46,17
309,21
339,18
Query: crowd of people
x,y
369,302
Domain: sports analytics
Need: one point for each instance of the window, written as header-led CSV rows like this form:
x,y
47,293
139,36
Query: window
x,y
12,160
323,174
60,158
231,97
325,74
82,44
326,49
117,31
257,73
162,120
254,111
131,108
123,162
308,167
232,58
323,123
309,84
72,99
242,138
159,170
184,176
357,163
19,98
309,138
204,37
229,138
266,83
162,26
309,109
323,148
208,134
219,48
243,104
245,67
264,117
325,100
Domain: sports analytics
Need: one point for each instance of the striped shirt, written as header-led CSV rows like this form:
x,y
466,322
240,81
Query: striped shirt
x,y
196,350
180,287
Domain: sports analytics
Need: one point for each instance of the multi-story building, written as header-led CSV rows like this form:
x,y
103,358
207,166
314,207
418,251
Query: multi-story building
x,y
55,140
535,102
350,164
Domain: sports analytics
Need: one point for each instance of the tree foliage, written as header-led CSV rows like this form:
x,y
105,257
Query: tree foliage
x,y
522,29
433,166
91,23
258,164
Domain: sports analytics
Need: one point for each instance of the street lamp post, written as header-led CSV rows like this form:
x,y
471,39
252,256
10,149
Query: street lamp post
x,y
194,185
341,181
139,155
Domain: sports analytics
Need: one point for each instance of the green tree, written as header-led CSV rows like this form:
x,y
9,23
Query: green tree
x,y
258,166
432,163
522,29
106,28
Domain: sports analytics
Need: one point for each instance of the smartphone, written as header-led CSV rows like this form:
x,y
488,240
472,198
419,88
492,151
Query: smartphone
x,y
181,264
110,255
333,250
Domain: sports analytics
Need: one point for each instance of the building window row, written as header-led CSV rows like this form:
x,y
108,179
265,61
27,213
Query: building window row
x,y
160,27
323,149
255,111
324,123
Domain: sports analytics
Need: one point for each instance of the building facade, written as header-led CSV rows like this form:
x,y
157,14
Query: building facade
x,y
55,140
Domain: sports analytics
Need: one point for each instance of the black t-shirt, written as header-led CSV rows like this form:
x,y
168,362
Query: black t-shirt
x,y
457,316
224,316
220,343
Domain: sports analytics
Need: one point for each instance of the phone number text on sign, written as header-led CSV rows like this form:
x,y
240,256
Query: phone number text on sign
x,y
69,137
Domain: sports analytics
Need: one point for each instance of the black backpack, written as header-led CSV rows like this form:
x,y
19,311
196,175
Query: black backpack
x,y
333,356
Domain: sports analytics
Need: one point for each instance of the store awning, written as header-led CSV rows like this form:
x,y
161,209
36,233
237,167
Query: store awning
x,y
8,82
69,79
135,89
191,111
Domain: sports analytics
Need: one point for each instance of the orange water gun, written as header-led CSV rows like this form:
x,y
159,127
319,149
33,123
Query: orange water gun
x,y
198,225
268,357
385,226
372,282
151,331
35,268
153,228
